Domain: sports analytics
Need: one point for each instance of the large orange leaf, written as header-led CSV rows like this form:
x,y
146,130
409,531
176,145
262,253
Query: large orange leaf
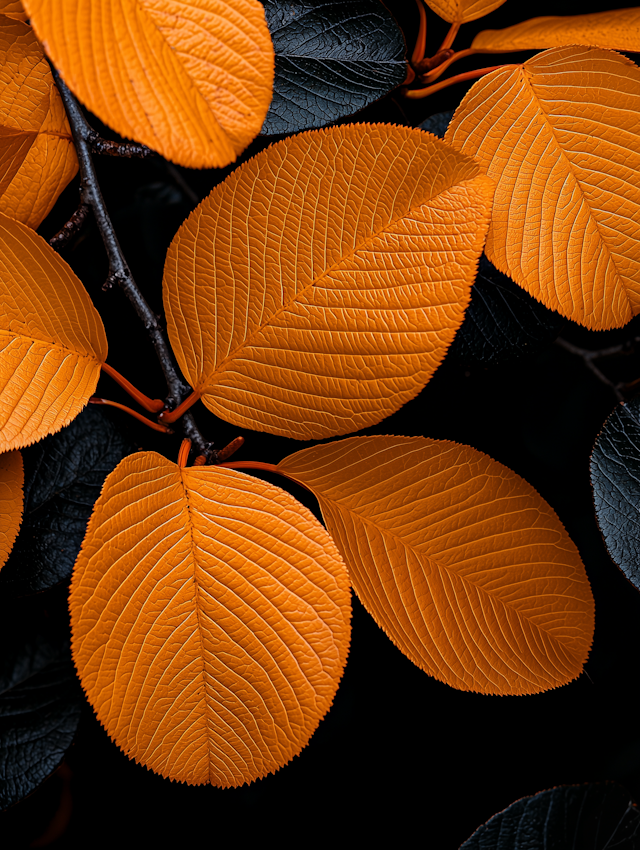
x,y
52,341
191,79
463,11
11,501
317,289
561,136
13,9
460,561
210,615
618,29
37,156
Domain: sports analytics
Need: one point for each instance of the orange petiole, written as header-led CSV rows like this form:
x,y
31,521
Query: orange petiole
x,y
437,70
172,415
450,36
153,405
230,449
183,454
421,40
155,425
416,94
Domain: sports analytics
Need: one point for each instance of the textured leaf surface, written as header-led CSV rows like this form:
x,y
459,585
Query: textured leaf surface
x,y
561,136
52,340
37,156
40,706
11,501
615,478
210,615
190,79
594,816
502,321
13,9
463,11
64,474
617,29
317,289
466,568
332,59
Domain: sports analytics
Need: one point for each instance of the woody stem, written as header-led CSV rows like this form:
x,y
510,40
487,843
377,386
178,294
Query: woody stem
x,y
119,271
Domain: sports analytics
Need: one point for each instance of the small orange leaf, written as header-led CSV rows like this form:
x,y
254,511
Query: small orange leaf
x,y
11,501
317,289
13,9
210,615
467,569
37,155
52,340
463,11
192,79
561,137
617,29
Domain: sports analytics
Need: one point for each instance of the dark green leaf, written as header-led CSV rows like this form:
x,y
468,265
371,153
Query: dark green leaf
x,y
502,321
63,477
594,816
40,705
615,478
332,59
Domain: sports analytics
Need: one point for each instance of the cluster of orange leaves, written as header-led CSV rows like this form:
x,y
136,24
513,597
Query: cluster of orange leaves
x,y
313,293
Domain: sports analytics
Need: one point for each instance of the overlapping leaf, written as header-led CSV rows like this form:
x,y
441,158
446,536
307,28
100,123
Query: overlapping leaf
x,y
37,156
561,136
332,59
467,569
596,815
617,29
210,615
190,79
52,341
463,11
317,289
11,501
13,9
615,478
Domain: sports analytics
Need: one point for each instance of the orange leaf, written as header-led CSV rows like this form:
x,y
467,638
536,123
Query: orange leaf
x,y
37,156
192,79
210,615
13,9
463,11
52,340
317,289
466,568
619,29
11,501
561,137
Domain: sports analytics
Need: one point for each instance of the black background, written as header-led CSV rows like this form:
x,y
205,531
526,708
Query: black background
x,y
400,759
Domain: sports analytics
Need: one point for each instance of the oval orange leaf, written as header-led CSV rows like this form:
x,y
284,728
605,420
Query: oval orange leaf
x,y
11,501
561,137
192,79
37,155
466,568
317,289
617,29
463,11
13,9
52,341
210,615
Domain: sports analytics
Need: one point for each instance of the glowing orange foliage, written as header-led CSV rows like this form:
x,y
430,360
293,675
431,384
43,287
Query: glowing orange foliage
x,y
211,618
467,569
52,340
192,80
317,289
37,156
561,137
462,11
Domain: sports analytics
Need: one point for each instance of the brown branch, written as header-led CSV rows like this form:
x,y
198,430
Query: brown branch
x,y
119,271
69,230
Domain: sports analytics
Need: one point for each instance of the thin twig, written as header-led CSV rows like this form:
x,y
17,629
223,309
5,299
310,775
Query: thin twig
x,y
588,357
107,147
69,230
119,271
